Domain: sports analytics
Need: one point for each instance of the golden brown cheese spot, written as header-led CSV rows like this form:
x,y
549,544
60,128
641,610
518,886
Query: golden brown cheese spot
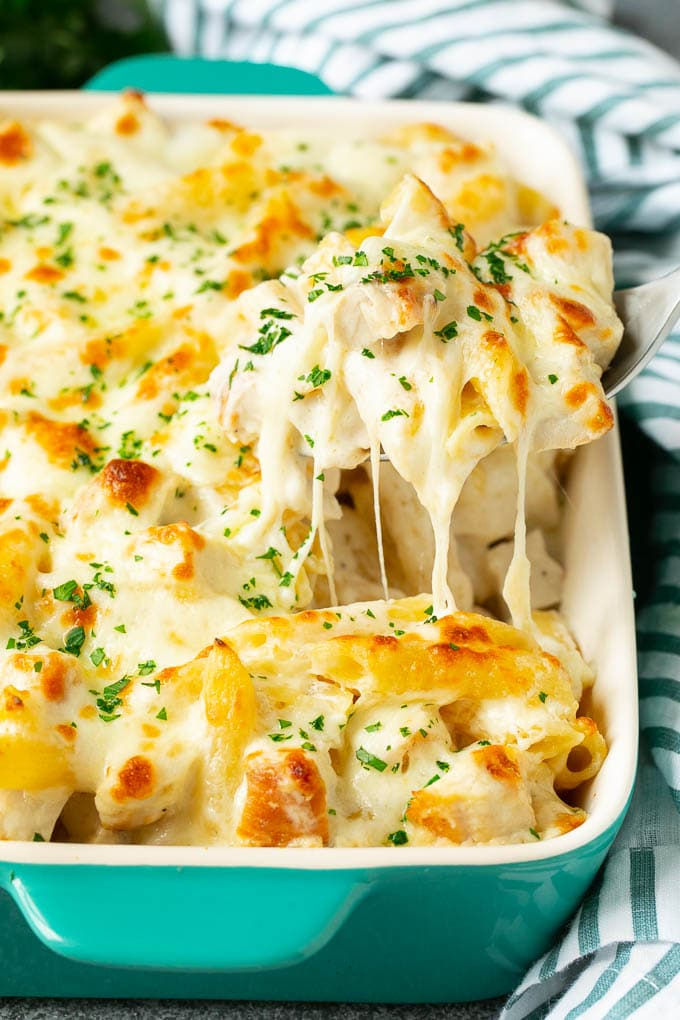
x,y
188,540
283,222
190,363
128,481
76,616
557,245
220,124
44,274
16,548
150,731
238,280
74,398
14,700
602,420
576,314
46,508
53,678
325,187
450,158
495,340
577,395
519,391
566,822
483,299
61,441
246,143
285,800
127,124
20,384
355,235
564,334
66,731
108,254
428,811
498,764
5,265
15,144
135,780
4,503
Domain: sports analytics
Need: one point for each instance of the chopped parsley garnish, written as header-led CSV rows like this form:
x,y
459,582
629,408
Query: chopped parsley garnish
x,y
317,724
108,701
438,296
448,332
209,285
443,765
368,354
435,779
456,233
395,412
276,313
474,313
145,668
27,639
37,838
314,294
131,510
256,602
97,656
280,737
370,761
360,259
342,260
374,727
318,376
309,440
286,579
553,379
405,383
74,295
405,731
534,834
162,715
326,625
74,641
130,445
398,838
285,724
542,696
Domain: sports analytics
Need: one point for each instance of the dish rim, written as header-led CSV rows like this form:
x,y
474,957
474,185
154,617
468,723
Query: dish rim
x,y
490,122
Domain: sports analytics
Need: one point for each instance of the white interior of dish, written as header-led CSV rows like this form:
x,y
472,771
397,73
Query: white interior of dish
x,y
598,598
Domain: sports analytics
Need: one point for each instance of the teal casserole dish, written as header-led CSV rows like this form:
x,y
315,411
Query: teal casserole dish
x,y
375,924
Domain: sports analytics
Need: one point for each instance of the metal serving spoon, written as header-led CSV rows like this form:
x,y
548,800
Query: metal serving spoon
x,y
648,314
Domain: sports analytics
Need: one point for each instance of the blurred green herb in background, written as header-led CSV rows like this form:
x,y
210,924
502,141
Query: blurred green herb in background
x,y
59,44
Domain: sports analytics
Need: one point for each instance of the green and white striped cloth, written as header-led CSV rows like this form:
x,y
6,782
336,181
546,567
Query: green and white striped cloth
x,y
617,99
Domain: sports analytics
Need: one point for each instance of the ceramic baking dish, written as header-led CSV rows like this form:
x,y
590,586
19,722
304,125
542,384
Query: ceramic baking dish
x,y
373,924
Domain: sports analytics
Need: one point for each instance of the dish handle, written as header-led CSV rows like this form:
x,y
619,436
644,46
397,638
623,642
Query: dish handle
x,y
196,918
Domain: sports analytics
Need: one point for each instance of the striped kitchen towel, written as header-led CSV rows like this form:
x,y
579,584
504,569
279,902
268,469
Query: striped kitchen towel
x,y
617,99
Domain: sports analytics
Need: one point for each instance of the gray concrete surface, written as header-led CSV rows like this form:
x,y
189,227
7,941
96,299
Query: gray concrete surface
x,y
99,1009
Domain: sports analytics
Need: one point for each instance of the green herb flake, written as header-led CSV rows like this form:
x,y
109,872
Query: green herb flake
x,y
74,641
398,838
370,760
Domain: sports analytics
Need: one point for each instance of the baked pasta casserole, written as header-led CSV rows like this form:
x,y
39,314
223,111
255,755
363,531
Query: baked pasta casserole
x,y
281,421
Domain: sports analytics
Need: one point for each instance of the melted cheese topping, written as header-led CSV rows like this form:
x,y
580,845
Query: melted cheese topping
x,y
184,437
